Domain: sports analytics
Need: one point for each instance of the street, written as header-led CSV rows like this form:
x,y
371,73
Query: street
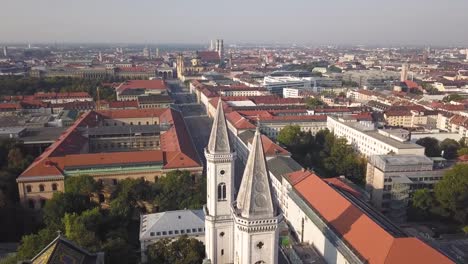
x,y
196,120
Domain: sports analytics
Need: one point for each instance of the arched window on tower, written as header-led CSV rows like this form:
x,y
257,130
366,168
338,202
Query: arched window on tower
x,y
222,192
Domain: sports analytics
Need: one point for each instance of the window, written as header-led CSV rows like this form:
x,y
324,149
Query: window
x,y
176,232
170,232
222,252
222,191
28,188
152,234
41,188
54,186
221,234
43,201
182,231
199,229
158,233
222,172
114,181
188,231
164,233
31,203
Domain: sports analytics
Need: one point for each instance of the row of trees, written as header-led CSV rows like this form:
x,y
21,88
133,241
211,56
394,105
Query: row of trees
x,y
448,201
327,154
448,148
115,229
15,85
13,217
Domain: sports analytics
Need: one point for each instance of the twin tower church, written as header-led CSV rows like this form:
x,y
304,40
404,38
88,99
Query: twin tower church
x,y
240,229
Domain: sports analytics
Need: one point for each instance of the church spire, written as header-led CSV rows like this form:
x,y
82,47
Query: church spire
x,y
219,138
254,199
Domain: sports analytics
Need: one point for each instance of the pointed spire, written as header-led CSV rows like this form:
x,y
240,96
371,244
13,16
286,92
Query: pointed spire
x,y
219,138
255,199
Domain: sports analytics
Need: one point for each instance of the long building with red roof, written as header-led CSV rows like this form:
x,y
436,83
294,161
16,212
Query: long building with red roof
x,y
110,146
344,229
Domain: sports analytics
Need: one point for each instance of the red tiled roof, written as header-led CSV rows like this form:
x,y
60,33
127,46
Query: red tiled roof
x,y
131,157
177,149
123,104
133,113
208,56
398,113
369,239
238,121
143,84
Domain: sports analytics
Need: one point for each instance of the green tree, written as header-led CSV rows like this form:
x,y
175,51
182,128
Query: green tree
x,y
450,148
62,203
181,251
83,185
32,244
289,134
431,146
78,228
118,250
423,199
334,69
452,97
179,191
462,151
452,192
313,103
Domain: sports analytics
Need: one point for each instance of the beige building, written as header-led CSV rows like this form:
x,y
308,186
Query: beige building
x,y
111,146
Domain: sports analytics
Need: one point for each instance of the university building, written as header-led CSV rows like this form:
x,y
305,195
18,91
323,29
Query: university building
x,y
110,146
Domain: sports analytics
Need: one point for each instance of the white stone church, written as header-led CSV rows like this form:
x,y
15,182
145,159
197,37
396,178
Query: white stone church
x,y
242,229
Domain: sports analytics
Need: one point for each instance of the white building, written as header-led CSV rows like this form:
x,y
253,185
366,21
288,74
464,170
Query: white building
x,y
276,84
170,224
244,230
370,141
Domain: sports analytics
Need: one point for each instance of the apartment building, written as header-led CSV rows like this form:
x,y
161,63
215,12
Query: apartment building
x,y
370,141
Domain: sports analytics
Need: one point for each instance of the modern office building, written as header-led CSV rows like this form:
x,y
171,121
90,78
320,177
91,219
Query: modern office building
x,y
391,180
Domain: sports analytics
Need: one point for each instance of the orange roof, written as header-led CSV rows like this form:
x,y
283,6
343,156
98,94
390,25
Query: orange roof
x,y
78,160
238,121
271,149
133,113
143,84
177,149
368,238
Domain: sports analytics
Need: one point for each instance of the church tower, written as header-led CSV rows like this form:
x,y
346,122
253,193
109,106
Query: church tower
x,y
220,158
255,216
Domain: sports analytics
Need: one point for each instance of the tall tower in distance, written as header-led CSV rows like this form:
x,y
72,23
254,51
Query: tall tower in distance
x,y
212,45
5,51
220,48
404,72
220,158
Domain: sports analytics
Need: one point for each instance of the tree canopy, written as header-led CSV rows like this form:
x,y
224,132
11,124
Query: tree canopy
x,y
431,146
327,154
181,251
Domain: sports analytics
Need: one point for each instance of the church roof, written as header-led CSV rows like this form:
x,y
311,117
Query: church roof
x,y
219,138
254,199
61,250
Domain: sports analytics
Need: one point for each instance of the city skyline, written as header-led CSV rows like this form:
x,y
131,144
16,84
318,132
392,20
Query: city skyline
x,y
362,22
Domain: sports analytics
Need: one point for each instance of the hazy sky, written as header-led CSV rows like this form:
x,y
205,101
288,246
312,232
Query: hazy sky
x,y
417,22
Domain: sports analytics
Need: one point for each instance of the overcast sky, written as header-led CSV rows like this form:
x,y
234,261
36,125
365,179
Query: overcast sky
x,y
383,22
